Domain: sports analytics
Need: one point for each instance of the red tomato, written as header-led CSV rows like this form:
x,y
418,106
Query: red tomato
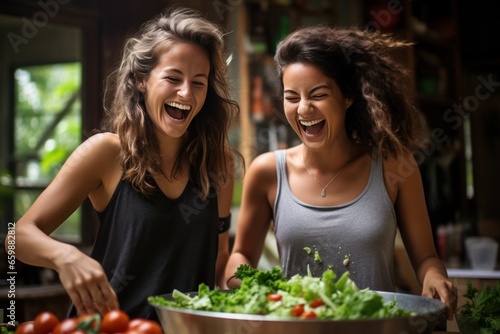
x,y
134,323
45,322
144,326
274,297
309,315
317,302
66,326
26,328
297,310
115,321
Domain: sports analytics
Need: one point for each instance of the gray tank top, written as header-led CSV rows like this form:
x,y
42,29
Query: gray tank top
x,y
321,237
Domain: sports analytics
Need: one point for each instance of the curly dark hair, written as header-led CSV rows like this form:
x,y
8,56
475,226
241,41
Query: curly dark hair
x,y
383,113
206,146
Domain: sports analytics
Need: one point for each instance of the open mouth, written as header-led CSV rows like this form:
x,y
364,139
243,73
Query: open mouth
x,y
312,127
177,111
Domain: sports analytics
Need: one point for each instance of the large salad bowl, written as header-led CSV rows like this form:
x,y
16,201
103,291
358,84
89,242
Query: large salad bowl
x,y
427,313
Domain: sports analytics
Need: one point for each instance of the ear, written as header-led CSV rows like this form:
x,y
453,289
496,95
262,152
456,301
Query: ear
x,y
348,103
140,83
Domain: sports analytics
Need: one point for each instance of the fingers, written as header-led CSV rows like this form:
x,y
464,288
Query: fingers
x,y
86,283
448,294
93,295
104,297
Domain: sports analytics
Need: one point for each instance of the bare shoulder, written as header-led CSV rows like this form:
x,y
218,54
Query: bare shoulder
x,y
400,171
264,164
105,141
260,177
403,165
98,153
100,146
259,185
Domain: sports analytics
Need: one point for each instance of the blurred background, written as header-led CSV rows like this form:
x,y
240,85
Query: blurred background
x,y
56,54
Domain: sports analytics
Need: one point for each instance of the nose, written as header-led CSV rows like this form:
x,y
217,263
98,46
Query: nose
x,y
304,107
184,89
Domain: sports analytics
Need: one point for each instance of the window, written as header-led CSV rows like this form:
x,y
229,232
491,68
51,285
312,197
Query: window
x,y
47,128
42,112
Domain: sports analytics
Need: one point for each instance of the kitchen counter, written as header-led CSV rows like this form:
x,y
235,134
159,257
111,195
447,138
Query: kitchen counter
x,y
474,273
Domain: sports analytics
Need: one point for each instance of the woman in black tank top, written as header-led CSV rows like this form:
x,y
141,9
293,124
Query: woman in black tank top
x,y
160,175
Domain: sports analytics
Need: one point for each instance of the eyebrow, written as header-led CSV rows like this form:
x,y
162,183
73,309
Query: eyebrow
x,y
312,90
180,72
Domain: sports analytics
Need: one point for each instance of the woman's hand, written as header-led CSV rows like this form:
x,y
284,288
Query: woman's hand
x,y
438,286
85,282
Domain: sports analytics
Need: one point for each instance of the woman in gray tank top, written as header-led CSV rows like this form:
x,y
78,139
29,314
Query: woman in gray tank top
x,y
337,199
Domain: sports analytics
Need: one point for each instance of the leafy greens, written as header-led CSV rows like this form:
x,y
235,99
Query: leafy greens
x,y
270,293
481,312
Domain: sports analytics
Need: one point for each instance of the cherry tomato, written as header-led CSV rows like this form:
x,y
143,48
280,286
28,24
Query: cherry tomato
x,y
66,326
309,315
134,323
45,322
317,302
274,297
144,326
115,321
297,310
26,328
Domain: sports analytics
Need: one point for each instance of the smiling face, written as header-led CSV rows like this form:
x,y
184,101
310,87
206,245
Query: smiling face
x,y
176,88
314,105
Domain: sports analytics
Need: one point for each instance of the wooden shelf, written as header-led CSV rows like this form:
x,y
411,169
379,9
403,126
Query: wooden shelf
x,y
30,300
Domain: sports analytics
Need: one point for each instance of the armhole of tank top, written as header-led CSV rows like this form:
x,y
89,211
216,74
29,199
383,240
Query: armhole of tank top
x,y
119,185
387,197
280,161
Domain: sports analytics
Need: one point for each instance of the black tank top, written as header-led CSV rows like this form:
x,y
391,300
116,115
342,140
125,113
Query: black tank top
x,y
152,245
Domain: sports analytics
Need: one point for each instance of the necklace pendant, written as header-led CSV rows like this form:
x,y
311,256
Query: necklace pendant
x,y
323,193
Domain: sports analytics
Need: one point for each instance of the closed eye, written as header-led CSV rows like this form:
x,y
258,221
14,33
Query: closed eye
x,y
292,99
199,83
173,79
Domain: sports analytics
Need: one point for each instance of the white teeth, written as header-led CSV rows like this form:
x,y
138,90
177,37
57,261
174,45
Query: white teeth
x,y
311,123
179,106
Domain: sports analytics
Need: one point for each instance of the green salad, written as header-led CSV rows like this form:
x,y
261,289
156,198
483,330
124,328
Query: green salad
x,y
306,297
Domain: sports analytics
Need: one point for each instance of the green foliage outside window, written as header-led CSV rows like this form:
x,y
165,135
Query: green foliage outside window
x,y
47,129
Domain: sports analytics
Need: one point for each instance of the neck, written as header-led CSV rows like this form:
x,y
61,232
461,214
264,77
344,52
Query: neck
x,y
331,160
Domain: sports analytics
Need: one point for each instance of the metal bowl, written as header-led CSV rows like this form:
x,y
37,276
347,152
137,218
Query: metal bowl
x,y
178,321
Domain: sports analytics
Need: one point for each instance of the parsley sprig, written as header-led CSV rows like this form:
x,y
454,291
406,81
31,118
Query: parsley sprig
x,y
481,313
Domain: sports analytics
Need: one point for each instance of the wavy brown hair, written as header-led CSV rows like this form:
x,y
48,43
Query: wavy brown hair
x,y
206,146
383,113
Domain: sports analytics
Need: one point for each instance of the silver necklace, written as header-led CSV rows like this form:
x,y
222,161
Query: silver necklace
x,y
323,191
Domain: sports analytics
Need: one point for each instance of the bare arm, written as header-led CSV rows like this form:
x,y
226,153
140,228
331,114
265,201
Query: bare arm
x,y
81,276
225,201
255,215
415,228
